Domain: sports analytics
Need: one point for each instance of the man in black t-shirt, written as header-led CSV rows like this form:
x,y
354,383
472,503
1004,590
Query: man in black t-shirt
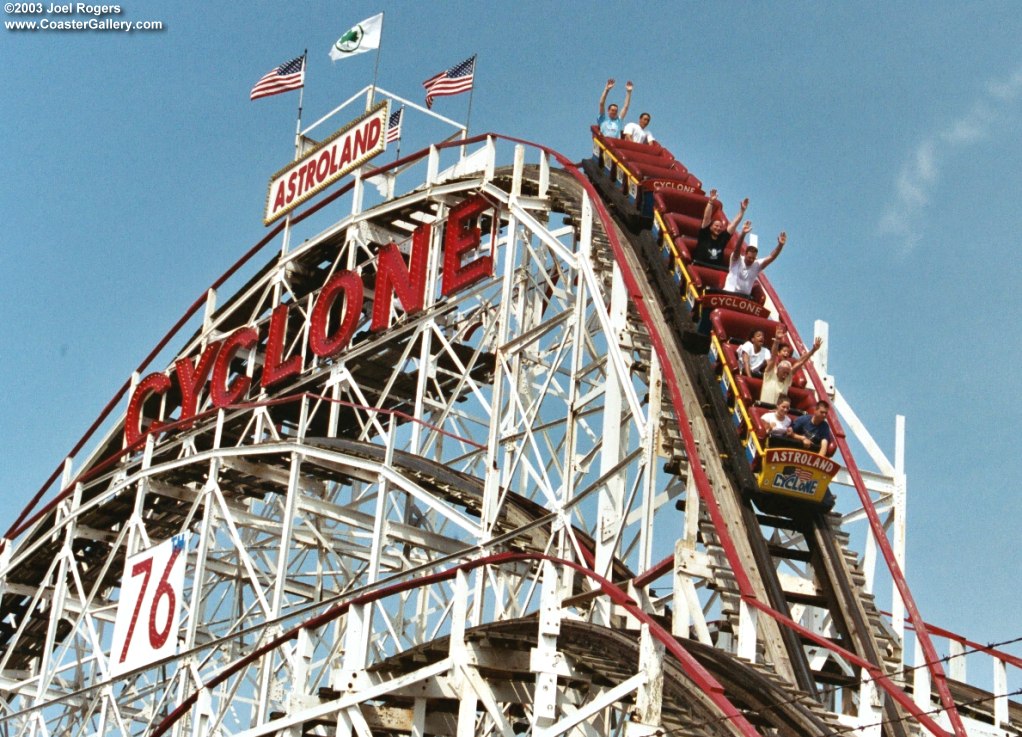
x,y
714,235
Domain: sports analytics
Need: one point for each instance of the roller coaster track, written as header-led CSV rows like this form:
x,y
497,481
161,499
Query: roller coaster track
x,y
451,527
853,613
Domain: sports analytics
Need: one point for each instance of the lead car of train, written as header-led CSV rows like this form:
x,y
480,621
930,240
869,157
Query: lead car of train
x,y
651,190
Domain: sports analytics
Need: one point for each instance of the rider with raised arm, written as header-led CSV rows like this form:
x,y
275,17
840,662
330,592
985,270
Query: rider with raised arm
x,y
780,370
608,120
746,268
714,234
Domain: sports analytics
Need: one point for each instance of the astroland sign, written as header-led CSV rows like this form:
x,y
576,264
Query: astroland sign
x,y
341,153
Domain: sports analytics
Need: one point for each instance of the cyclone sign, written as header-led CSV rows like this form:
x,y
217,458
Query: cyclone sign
x,y
796,473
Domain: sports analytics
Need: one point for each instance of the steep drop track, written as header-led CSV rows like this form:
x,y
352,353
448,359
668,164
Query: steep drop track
x,y
839,588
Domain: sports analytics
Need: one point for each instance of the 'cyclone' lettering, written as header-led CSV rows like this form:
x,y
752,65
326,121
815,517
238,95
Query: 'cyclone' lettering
x,y
793,483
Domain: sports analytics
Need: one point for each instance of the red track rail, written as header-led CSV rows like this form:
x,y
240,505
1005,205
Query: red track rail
x,y
20,525
706,491
699,675
918,624
993,652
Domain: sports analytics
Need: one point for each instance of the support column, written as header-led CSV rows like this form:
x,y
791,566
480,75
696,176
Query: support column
x,y
900,509
614,438
649,696
545,657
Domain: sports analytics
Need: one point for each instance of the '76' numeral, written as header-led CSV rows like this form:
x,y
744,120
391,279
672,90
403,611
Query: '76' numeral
x,y
157,636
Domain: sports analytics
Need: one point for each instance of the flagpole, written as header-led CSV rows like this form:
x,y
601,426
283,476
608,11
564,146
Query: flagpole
x,y
298,149
376,68
471,92
301,96
397,153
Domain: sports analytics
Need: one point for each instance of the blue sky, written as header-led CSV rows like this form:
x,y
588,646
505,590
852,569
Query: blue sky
x,y
882,137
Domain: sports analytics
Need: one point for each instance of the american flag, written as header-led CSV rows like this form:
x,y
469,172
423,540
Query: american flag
x,y
451,81
288,76
394,125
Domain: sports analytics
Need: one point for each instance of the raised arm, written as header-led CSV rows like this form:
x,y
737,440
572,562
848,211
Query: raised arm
x,y
738,218
708,212
808,354
628,99
603,97
778,337
746,229
781,240
736,252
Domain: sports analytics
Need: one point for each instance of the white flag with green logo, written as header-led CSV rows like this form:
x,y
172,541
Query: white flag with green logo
x,y
358,39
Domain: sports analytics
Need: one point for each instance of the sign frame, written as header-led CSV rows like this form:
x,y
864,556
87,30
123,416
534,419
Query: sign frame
x,y
148,618
309,161
809,474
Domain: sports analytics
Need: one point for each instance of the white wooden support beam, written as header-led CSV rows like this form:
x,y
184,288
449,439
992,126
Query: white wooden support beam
x,y
267,676
65,559
869,566
202,714
209,311
459,656
1000,693
432,165
418,718
595,706
304,651
6,551
491,158
900,523
690,532
822,330
688,611
747,617
649,457
545,658
682,619
516,171
870,715
956,661
615,440
920,678
366,693
544,173
649,697
483,693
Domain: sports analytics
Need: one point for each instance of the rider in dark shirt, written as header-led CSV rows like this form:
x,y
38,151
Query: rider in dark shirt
x,y
714,235
813,431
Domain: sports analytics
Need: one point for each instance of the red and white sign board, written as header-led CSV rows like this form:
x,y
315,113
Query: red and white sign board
x,y
148,615
341,153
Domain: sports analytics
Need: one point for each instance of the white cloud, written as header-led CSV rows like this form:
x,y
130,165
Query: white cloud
x,y
1007,89
920,173
972,127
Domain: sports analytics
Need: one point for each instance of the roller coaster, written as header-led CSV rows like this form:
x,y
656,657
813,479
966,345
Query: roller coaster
x,y
466,460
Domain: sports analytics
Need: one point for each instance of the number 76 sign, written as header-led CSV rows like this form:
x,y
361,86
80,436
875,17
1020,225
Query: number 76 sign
x,y
148,613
